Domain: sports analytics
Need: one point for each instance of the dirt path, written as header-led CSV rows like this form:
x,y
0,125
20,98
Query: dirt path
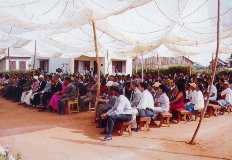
x,y
48,136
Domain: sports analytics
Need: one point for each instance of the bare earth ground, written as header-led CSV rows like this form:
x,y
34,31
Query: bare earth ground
x,y
48,136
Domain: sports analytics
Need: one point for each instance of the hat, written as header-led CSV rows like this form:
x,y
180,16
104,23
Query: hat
x,y
156,84
193,85
36,77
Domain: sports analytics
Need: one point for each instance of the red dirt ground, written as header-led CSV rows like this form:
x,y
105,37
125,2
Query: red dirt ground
x,y
48,136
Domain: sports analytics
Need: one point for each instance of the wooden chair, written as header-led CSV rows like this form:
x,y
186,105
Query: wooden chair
x,y
124,126
183,115
144,123
164,118
213,110
72,106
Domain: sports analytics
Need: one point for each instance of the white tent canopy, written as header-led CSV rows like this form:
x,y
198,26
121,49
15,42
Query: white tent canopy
x,y
124,27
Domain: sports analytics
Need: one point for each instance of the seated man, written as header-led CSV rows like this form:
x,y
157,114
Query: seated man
x,y
103,108
162,103
120,112
196,102
146,104
226,96
69,92
135,99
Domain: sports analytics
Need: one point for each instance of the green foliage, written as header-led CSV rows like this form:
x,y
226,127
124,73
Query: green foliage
x,y
166,71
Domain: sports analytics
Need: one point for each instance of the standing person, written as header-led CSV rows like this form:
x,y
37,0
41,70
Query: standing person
x,y
146,104
120,112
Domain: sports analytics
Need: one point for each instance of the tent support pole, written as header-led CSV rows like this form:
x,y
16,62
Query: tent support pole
x,y
97,60
8,56
158,68
212,77
34,55
142,68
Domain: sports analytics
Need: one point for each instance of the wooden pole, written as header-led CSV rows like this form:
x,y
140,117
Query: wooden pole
x,y
97,60
212,78
34,56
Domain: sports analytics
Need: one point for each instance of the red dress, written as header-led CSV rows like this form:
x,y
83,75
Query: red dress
x,y
178,104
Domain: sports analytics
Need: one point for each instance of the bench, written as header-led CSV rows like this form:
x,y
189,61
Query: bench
x,y
213,110
72,106
226,109
144,122
197,113
183,115
164,118
124,126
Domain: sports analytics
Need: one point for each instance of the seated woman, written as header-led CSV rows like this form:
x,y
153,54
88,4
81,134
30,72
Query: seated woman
x,y
56,89
162,103
179,100
196,98
28,95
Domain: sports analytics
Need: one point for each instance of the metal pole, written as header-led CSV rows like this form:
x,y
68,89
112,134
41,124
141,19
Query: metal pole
x,y
212,78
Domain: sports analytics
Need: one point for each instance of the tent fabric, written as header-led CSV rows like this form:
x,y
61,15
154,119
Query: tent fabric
x,y
62,28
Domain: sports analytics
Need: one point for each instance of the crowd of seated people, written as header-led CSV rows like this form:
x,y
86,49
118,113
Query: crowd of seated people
x,y
123,98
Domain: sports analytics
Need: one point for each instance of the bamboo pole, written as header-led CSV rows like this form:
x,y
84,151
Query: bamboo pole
x,y
34,55
212,78
97,60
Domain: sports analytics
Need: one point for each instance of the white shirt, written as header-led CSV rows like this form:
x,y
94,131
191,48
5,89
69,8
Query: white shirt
x,y
164,102
197,99
228,93
121,106
213,91
146,101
